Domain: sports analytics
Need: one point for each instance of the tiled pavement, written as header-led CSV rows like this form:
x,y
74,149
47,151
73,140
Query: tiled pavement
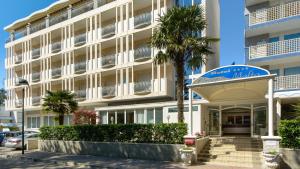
x,y
44,160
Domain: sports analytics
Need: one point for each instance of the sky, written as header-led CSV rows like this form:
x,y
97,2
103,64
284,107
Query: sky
x,y
232,27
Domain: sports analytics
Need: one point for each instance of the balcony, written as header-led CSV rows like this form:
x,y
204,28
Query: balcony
x,y
108,31
18,59
56,73
80,39
103,2
36,100
19,103
274,13
142,87
108,91
142,20
290,82
37,26
36,77
80,67
82,8
142,53
109,61
58,18
36,53
80,95
20,33
275,48
56,47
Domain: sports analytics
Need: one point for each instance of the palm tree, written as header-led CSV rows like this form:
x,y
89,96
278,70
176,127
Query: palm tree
x,y
61,103
178,41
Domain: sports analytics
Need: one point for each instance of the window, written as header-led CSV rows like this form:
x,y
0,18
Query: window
x,y
158,115
140,116
50,121
103,117
68,119
33,122
292,36
238,119
186,109
275,71
246,119
273,39
230,120
150,116
291,71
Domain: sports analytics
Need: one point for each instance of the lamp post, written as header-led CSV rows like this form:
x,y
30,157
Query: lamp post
x,y
23,82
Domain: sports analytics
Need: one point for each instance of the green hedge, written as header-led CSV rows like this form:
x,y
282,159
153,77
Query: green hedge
x,y
132,133
289,130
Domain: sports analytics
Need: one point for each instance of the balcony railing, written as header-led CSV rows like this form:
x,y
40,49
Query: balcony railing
x,y
142,87
109,61
80,95
20,33
56,47
275,48
36,100
142,20
35,77
56,72
142,53
108,31
275,13
36,53
38,26
80,67
82,8
108,91
19,103
18,59
290,82
80,39
58,18
103,2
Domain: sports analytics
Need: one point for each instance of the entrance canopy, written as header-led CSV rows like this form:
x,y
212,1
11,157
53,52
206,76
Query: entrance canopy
x,y
232,83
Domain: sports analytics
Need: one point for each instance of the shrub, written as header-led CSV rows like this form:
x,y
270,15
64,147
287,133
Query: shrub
x,y
84,117
130,133
12,128
289,130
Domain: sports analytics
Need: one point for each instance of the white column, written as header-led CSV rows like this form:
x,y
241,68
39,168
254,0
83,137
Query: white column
x,y
270,108
220,120
278,111
190,112
252,120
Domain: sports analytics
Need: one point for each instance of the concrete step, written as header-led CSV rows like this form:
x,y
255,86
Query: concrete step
x,y
233,154
233,164
225,159
233,149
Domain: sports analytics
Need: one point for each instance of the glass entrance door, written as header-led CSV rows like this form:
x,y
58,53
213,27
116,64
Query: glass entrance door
x,y
214,120
259,120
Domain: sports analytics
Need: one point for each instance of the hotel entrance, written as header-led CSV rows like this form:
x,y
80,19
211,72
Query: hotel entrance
x,y
238,101
239,120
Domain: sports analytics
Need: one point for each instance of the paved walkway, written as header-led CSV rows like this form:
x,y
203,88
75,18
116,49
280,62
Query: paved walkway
x,y
45,160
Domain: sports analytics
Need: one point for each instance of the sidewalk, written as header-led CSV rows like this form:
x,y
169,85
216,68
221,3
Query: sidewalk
x,y
36,160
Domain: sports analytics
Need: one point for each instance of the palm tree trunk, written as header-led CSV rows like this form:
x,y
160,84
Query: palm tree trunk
x,y
61,119
180,88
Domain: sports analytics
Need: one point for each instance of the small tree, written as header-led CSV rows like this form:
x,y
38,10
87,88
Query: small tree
x,y
84,117
61,103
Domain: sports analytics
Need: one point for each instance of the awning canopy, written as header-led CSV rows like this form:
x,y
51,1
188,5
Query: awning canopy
x,y
234,82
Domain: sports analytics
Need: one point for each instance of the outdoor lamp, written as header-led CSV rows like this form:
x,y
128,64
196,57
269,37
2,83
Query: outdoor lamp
x,y
23,82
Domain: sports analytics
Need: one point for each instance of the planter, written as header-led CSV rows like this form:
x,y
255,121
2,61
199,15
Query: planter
x,y
272,161
186,155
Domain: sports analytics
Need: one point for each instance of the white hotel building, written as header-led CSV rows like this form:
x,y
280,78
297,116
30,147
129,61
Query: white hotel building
x,y
98,50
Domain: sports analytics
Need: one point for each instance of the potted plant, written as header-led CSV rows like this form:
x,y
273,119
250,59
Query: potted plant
x,y
272,159
186,154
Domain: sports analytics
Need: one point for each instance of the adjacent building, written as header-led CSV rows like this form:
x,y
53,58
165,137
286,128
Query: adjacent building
x,y
98,50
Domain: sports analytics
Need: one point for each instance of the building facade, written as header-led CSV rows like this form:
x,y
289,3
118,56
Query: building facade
x,y
98,50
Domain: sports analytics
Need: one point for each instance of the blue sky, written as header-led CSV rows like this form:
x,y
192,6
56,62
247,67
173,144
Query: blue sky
x,y
232,27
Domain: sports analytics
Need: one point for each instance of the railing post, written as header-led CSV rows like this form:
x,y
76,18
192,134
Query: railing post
x,y
47,20
70,12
